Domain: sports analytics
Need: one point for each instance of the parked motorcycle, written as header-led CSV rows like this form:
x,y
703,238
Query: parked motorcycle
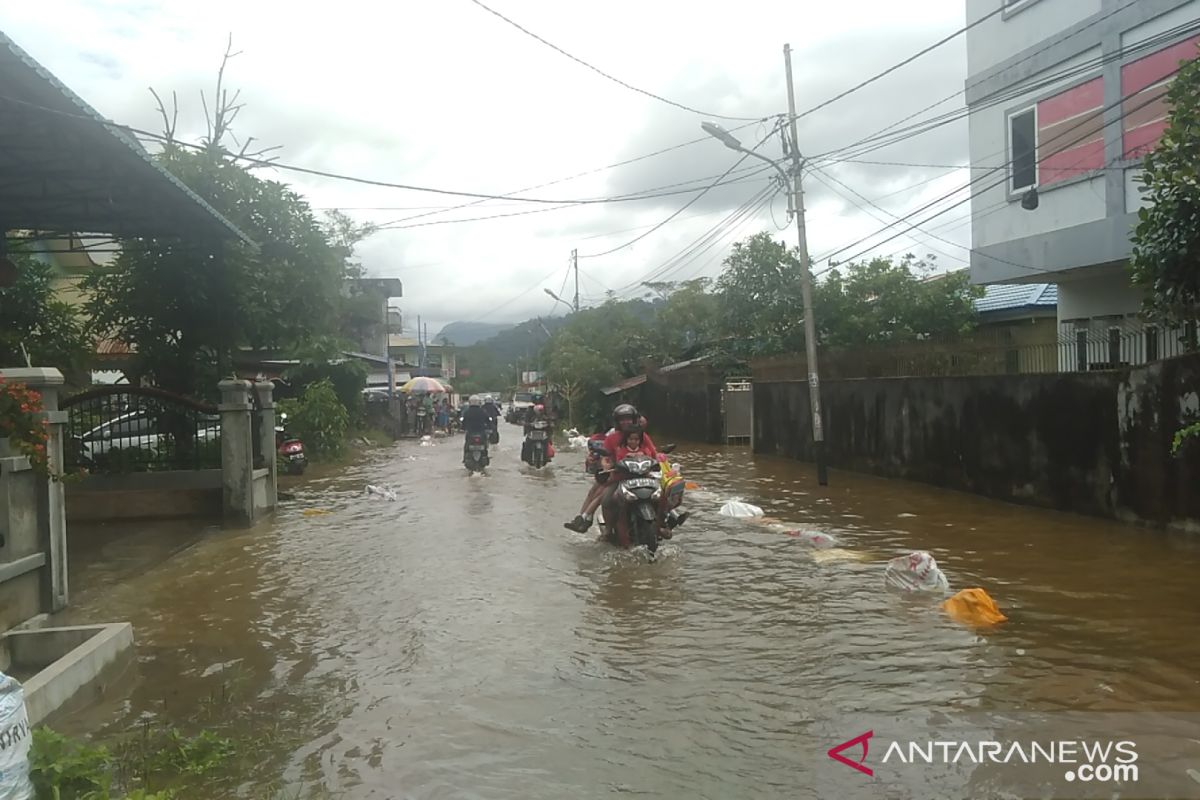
x,y
290,449
538,449
475,455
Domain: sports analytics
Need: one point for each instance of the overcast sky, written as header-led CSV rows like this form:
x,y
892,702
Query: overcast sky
x,y
443,94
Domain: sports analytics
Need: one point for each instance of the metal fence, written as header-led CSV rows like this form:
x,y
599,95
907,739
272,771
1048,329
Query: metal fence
x,y
118,429
1082,352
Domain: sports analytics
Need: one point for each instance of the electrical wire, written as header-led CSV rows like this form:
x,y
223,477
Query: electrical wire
x,y
1119,102
604,74
887,136
863,84
686,205
396,227
274,164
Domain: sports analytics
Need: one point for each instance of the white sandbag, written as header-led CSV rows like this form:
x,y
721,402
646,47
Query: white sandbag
x,y
381,491
736,508
15,740
815,539
916,572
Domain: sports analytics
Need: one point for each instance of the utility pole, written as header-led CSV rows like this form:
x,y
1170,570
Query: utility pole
x,y
575,264
810,323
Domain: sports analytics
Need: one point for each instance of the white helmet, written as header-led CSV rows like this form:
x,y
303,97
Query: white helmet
x,y
487,398
475,401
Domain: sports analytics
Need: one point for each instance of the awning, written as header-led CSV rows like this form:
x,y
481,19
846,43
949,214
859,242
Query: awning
x,y
628,383
66,169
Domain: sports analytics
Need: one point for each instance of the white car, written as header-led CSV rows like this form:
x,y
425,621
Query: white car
x,y
136,429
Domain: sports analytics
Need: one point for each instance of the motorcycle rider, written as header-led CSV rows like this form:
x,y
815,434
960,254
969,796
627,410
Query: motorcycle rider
x,y
533,414
493,412
474,420
625,416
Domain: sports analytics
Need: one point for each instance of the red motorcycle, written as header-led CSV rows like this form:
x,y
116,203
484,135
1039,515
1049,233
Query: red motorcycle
x,y
290,449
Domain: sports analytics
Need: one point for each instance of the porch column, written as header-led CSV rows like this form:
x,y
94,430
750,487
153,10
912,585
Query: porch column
x,y
237,452
266,432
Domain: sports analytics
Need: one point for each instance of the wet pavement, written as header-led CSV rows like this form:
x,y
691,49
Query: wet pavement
x,y
458,642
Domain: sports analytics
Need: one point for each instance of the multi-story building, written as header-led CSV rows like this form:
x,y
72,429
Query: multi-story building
x,y
1065,97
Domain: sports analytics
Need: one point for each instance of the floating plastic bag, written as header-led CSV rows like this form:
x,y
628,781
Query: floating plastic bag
x,y
973,607
736,508
382,491
916,572
816,539
15,739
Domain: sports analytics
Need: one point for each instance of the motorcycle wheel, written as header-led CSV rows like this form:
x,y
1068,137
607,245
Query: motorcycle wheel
x,y
538,459
645,533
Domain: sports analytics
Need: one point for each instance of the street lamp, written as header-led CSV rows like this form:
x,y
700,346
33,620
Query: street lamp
x,y
796,206
556,297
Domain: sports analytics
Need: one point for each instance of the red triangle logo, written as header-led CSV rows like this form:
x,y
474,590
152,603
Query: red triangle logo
x,y
862,739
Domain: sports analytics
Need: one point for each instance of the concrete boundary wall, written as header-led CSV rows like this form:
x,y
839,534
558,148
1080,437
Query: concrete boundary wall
x,y
1094,443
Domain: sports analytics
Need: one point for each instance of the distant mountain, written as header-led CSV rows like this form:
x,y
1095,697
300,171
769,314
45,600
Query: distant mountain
x,y
465,334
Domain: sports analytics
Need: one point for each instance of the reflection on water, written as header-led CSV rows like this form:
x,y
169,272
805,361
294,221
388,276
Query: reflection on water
x,y
458,642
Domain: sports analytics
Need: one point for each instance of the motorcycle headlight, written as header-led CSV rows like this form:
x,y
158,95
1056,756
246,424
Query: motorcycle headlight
x,y
627,493
657,494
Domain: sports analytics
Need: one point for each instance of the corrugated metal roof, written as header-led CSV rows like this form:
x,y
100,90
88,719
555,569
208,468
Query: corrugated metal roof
x,y
1013,296
628,383
140,196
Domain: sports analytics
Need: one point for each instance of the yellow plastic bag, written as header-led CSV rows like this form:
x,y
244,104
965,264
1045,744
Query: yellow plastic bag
x,y
973,607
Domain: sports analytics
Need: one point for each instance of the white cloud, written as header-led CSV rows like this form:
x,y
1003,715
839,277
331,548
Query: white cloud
x,y
444,94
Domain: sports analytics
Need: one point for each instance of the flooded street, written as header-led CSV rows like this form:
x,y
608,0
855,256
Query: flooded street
x,y
458,642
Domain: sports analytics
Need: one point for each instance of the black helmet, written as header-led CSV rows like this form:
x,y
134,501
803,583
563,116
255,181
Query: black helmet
x,y
625,410
538,398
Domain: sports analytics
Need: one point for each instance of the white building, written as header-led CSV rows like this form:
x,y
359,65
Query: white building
x,y
1065,97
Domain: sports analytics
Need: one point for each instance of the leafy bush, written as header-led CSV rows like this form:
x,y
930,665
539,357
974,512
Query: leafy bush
x,y
63,769
348,379
318,418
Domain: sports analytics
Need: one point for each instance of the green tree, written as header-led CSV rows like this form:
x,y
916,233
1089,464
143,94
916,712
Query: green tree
x,y
580,371
50,331
759,297
883,301
185,307
1166,242
688,316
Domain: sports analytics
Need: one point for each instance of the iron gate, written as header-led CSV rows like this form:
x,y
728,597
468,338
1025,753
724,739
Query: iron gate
x,y
737,406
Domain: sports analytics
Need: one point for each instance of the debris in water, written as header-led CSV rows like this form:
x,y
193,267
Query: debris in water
x,y
817,539
385,492
315,512
838,554
973,607
736,508
916,572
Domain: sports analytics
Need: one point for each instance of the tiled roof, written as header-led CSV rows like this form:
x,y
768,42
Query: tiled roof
x,y
1013,296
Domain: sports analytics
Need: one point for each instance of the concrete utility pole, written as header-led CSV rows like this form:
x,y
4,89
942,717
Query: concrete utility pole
x,y
575,264
810,323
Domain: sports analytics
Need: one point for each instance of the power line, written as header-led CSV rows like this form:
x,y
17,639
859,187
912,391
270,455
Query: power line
x,y
900,64
604,74
1119,102
718,230
337,176
685,206
878,140
396,227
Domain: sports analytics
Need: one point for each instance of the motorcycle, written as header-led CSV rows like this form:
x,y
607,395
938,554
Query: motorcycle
x,y
640,492
289,449
475,455
493,431
650,492
538,450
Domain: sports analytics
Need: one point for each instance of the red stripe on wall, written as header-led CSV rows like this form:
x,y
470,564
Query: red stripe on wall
x,y
1140,141
1071,103
1071,163
1151,69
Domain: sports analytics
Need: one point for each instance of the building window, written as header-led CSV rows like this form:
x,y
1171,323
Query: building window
x,y
1022,149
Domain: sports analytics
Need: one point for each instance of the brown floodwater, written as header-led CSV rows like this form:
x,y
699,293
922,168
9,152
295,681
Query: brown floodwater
x,y
458,642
